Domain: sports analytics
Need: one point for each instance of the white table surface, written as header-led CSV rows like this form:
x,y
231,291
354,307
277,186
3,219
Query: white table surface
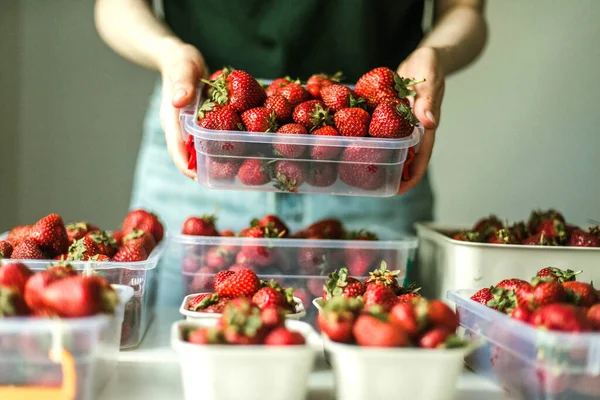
x,y
151,371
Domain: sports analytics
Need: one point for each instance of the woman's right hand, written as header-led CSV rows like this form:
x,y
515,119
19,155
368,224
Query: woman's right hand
x,y
181,66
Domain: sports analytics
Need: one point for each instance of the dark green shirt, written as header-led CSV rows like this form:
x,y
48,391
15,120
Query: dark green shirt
x,y
272,38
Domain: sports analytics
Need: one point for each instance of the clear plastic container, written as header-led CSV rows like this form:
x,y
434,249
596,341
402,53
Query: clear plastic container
x,y
258,372
447,264
140,275
298,263
93,343
353,166
529,363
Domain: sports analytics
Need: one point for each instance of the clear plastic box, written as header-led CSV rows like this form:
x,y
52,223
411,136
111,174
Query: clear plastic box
x,y
529,363
298,263
93,342
142,276
353,166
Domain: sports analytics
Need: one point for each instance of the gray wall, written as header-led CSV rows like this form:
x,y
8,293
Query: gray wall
x,y
519,128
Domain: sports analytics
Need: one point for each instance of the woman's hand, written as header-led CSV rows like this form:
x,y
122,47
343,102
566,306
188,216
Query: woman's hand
x,y
181,66
424,63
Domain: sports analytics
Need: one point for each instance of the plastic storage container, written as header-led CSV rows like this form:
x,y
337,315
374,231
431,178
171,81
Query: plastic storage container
x,y
93,344
258,372
354,166
195,315
142,276
298,263
527,362
383,373
446,264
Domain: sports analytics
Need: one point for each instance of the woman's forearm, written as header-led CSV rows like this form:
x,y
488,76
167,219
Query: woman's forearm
x,y
458,35
131,29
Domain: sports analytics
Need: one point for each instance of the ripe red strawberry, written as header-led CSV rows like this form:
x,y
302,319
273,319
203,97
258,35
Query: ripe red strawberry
x,y
593,316
290,150
223,169
281,107
27,250
241,283
284,337
15,275
483,296
259,119
218,118
512,284
277,84
253,172
220,277
329,228
437,313
274,224
140,237
557,274
227,233
106,243
354,172
539,239
553,228
317,82
77,230
80,296
547,292
580,238
190,147
273,295
118,237
487,223
337,97
97,257
294,93
83,249
537,216
204,336
467,236
322,151
561,317
202,301
392,120
272,317
580,293
371,331
337,318
38,283
360,260
289,175
50,235
18,234
242,323
12,303
259,256
352,122
383,296
322,174
6,249
383,84
218,258
200,226
408,297
130,253
403,315
144,220
312,114
239,90
502,236
522,313
340,283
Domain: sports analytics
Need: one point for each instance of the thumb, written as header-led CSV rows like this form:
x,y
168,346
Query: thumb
x,y
184,77
426,107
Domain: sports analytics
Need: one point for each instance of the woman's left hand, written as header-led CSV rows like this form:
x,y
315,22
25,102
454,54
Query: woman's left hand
x,y
423,64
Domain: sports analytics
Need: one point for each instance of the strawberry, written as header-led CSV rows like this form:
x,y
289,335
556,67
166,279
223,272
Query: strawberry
x,y
38,283
272,317
593,316
118,237
278,83
357,173
217,74
518,231
6,249
238,89
279,106
50,235
80,296
294,93
144,220
223,169
260,256
502,236
360,260
408,297
322,151
18,234
218,258
340,283
242,323
486,223
560,317
580,238
253,172
379,295
382,84
190,147
330,228
539,239
322,174
284,337
317,82
274,224
382,276
522,313
512,284
436,313
241,283
83,249
580,293
473,237
12,303
403,315
27,250
106,243
557,274
77,230
371,331
219,118
337,97
202,301
392,120
434,338
220,277
131,253
337,318
270,296
538,216
203,336
553,228
97,257
140,237
312,114
200,226
15,276
227,233
289,175
547,292
313,261
290,150
259,119
352,122
483,296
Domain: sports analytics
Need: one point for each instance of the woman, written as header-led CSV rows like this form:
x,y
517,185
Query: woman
x,y
273,38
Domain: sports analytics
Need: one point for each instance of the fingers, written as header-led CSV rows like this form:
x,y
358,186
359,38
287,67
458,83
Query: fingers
x,y
421,161
184,77
427,104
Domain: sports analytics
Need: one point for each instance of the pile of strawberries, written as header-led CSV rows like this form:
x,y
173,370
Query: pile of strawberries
x,y
553,300
58,291
243,323
49,238
233,284
378,107
544,228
